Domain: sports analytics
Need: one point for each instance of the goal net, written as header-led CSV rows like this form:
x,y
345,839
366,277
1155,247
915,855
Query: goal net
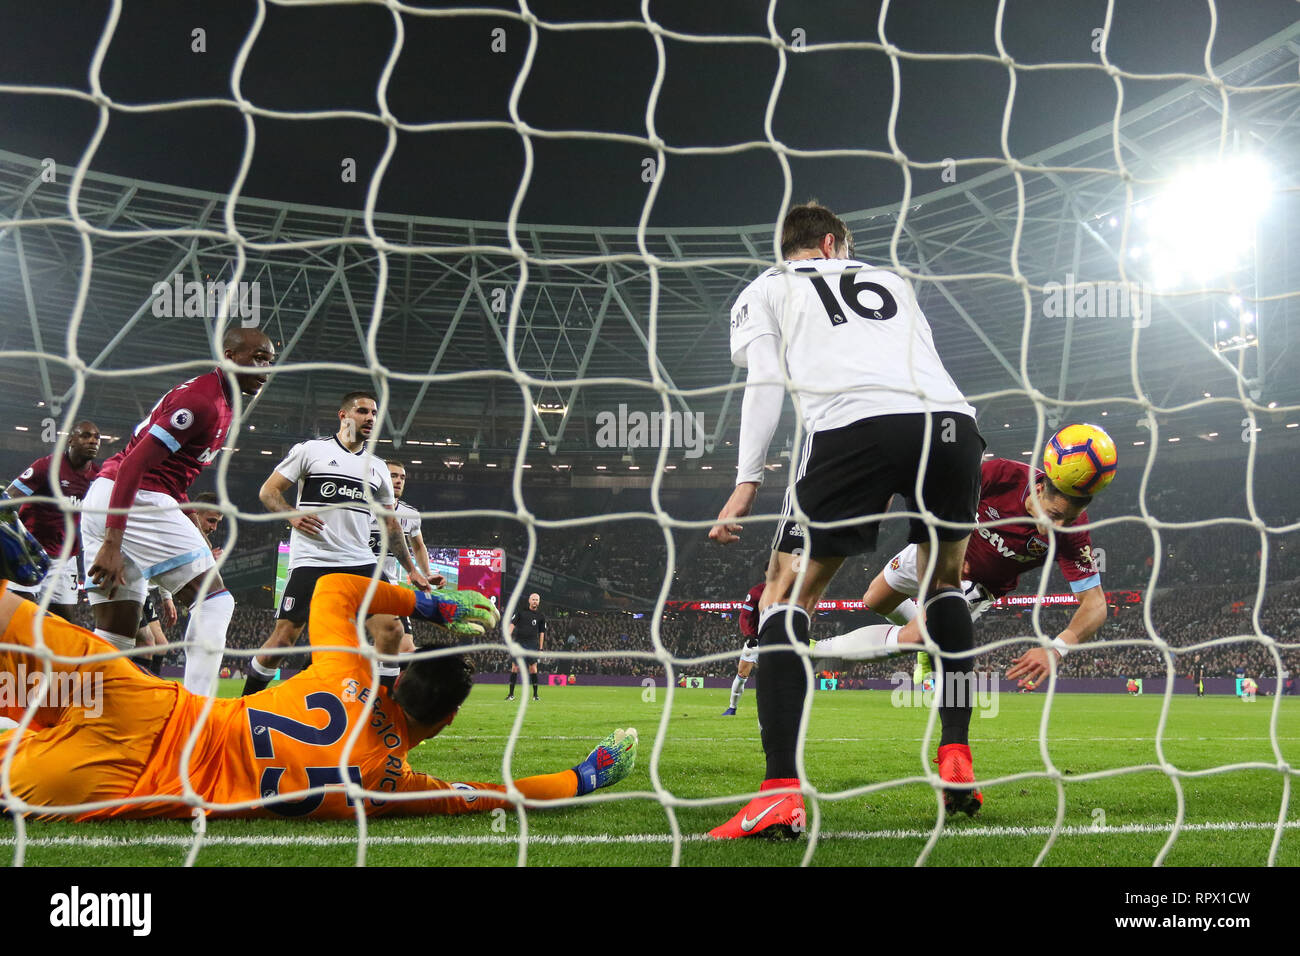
x,y
562,400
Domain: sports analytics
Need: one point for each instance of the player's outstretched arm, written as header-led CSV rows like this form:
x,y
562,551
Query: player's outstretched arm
x,y
611,760
397,544
1087,619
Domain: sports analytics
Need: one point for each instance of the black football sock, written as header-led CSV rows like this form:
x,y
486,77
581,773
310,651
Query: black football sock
x,y
948,617
258,678
513,677
781,688
154,665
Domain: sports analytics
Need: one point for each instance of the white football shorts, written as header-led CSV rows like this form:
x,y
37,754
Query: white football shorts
x,y
160,544
901,575
61,580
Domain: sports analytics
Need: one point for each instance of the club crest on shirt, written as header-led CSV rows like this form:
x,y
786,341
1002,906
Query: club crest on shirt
x,y
182,418
893,565
1036,546
740,316
288,604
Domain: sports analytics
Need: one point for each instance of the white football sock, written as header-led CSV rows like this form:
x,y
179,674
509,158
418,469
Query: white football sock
x,y
121,642
209,622
737,688
874,640
903,613
261,671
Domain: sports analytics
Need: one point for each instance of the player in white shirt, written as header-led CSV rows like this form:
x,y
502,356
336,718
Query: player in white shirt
x,y
872,394
338,475
409,521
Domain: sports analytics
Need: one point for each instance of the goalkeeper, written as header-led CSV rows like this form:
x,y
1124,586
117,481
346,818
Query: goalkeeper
x,y
264,749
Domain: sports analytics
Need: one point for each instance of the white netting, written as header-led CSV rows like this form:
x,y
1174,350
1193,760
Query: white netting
x,y
1005,236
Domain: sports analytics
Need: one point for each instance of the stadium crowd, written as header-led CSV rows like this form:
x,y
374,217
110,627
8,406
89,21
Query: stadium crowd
x,y
1205,585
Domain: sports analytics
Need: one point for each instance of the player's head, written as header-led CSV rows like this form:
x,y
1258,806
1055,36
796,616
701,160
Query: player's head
x,y
397,472
360,408
250,348
431,689
83,443
1054,505
207,520
534,602
814,227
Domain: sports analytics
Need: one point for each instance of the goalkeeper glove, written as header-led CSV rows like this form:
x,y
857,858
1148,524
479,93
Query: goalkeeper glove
x,y
464,613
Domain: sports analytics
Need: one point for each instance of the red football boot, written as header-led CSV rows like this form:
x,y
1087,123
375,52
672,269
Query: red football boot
x,y
776,817
955,767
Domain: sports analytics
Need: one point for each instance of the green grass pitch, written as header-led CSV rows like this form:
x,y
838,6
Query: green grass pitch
x,y
856,738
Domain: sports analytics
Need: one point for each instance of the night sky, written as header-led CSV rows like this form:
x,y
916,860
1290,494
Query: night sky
x,y
714,94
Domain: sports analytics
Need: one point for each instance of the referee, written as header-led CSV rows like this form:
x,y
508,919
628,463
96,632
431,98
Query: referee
x,y
1199,672
529,629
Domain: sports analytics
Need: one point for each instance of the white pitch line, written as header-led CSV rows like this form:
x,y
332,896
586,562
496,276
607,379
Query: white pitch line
x,y
1232,826
1052,738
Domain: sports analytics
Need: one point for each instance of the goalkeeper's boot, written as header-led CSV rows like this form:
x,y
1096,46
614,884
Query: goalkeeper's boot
x,y
955,767
611,761
22,559
774,817
464,613
729,712
924,668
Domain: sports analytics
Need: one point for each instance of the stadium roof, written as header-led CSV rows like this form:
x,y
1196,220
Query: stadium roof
x,y
593,300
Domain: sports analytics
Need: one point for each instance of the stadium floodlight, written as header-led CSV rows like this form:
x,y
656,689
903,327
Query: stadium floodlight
x,y
1203,224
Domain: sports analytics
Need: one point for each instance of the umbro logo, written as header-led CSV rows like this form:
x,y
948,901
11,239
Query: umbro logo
x,y
64,482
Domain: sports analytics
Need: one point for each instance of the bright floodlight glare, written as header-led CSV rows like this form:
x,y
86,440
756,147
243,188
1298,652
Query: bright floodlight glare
x,y
1203,224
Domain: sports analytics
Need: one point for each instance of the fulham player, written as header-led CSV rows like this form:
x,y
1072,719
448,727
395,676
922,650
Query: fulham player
x,y
880,411
73,473
749,653
998,554
156,542
338,476
408,519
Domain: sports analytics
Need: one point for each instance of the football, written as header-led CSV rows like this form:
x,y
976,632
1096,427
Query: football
x,y
1080,459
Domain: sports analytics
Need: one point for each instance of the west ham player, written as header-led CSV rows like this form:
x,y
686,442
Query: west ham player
x,y
75,472
873,394
749,653
207,520
251,749
157,542
529,629
159,610
333,474
995,559
408,519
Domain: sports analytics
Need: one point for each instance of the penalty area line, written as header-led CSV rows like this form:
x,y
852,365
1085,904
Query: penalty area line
x,y
1228,826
